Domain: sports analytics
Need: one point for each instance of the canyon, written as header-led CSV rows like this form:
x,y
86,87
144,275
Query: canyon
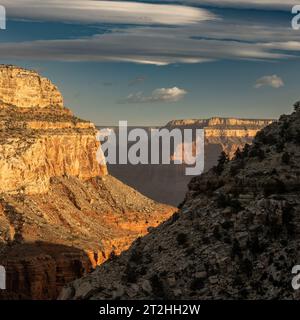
x,y
168,183
235,236
61,213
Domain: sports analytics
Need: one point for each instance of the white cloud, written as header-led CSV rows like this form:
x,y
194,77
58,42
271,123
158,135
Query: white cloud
x,y
227,38
265,4
269,81
91,11
158,95
140,45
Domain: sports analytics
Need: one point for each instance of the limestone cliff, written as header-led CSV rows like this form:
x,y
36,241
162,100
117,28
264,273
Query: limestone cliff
x,y
39,140
219,121
27,89
61,214
236,236
228,134
39,137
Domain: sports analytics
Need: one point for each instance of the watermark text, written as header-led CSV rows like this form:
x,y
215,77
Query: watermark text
x,y
2,278
157,146
296,19
2,18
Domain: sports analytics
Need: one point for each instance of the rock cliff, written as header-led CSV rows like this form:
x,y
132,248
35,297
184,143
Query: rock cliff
x,y
61,214
236,236
219,121
228,134
27,89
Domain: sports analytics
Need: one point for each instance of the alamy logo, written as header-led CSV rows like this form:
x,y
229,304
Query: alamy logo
x,y
159,146
296,279
2,278
296,19
2,18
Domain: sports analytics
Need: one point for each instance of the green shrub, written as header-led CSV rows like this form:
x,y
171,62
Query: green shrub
x,y
182,239
286,158
197,284
223,159
158,288
273,186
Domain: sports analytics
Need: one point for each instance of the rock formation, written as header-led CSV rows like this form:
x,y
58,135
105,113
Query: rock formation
x,y
61,214
27,89
236,236
226,134
218,122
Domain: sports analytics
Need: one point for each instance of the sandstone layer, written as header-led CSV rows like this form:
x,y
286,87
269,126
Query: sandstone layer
x,y
219,121
236,236
61,214
25,88
228,134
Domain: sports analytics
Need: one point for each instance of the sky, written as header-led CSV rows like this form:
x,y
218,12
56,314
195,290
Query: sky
x,y
149,62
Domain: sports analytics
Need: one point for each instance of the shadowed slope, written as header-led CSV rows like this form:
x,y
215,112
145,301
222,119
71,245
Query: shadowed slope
x,y
236,236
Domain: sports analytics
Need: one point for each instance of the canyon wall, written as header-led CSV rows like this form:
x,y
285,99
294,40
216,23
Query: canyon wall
x,y
25,88
227,133
219,121
40,138
61,214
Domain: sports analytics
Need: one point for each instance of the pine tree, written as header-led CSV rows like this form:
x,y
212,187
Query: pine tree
x,y
286,158
222,160
238,153
297,106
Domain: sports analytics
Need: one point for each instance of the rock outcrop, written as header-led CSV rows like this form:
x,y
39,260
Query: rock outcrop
x,y
27,89
61,214
236,236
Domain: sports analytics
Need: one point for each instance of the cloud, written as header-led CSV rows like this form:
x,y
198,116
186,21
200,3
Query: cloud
x,y
209,40
158,95
259,4
141,45
121,12
269,81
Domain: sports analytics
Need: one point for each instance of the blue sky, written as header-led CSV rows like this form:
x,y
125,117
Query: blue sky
x,y
152,62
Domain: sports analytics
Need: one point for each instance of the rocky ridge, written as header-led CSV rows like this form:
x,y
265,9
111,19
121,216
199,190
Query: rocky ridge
x,y
236,235
61,214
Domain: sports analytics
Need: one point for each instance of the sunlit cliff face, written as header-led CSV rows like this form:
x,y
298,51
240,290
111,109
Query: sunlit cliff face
x,y
26,89
40,138
61,214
